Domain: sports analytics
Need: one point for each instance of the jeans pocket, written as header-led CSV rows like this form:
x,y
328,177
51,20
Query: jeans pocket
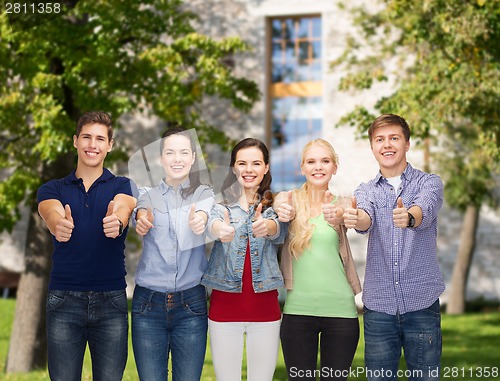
x,y
55,299
118,300
197,306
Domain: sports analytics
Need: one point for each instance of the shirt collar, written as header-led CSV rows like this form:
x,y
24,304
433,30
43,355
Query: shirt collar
x,y
106,175
164,187
406,175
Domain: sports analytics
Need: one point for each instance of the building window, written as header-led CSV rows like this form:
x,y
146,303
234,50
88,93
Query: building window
x,y
294,96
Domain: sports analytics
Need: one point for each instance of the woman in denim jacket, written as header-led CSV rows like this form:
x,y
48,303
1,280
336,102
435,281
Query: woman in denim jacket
x,y
243,269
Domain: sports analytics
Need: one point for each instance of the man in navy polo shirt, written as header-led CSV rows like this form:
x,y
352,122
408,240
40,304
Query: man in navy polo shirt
x,y
87,213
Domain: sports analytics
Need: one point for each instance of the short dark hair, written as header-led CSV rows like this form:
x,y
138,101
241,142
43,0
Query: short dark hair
x,y
95,117
385,120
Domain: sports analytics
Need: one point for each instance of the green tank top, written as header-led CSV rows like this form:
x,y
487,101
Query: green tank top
x,y
320,286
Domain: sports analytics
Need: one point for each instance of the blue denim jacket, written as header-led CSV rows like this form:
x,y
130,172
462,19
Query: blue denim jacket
x,y
225,266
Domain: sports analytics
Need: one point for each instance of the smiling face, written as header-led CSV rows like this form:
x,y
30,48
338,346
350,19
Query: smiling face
x,y
389,147
318,166
177,158
250,168
92,145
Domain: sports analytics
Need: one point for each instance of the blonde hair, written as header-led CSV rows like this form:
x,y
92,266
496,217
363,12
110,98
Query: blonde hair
x,y
300,228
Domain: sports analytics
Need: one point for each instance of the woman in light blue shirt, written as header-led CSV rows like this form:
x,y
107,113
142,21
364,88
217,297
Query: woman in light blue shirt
x,y
169,307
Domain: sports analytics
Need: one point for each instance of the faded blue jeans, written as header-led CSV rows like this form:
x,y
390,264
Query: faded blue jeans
x,y
75,318
164,323
418,333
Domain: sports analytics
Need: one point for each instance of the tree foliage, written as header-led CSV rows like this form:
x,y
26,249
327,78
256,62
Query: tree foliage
x,y
444,57
103,55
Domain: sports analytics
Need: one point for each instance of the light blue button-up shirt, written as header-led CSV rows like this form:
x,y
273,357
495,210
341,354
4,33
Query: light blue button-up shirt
x,y
402,271
173,257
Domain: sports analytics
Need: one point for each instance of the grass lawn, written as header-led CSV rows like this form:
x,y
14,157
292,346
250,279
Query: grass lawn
x,y
471,345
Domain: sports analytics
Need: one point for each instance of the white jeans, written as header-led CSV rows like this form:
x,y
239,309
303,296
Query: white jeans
x,y
262,345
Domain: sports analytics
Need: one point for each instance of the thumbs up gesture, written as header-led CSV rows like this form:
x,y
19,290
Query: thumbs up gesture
x,y
144,221
196,222
259,226
351,214
400,215
64,227
333,214
285,211
111,223
226,231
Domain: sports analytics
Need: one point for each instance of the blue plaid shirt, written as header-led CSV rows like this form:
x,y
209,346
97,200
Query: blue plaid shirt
x,y
402,270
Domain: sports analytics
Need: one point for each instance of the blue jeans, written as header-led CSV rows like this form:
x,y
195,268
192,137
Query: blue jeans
x,y
418,333
173,322
75,318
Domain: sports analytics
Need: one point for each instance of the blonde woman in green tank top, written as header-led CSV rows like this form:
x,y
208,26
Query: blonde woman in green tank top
x,y
319,273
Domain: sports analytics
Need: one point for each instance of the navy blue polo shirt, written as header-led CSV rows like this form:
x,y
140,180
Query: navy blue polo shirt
x,y
89,261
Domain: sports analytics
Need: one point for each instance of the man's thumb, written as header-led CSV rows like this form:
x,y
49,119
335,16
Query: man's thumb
x,y
354,203
400,203
111,207
67,213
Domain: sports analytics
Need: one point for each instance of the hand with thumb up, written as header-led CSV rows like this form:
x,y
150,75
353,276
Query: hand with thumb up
x,y
145,220
225,230
259,226
333,214
285,210
400,215
351,214
111,224
196,221
64,227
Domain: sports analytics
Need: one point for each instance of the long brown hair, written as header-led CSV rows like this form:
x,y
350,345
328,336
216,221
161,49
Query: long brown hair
x,y
264,193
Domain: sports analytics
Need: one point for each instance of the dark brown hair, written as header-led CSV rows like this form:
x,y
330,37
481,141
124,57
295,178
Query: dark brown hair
x,y
95,117
194,172
264,192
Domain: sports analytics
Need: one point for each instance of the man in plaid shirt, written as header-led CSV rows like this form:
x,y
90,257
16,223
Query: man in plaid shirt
x,y
398,209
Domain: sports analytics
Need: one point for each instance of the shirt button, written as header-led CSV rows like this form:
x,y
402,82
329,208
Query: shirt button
x,y
395,263
257,271
397,282
260,286
86,205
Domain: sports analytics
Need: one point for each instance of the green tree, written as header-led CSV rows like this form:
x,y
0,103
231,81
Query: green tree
x,y
444,57
108,55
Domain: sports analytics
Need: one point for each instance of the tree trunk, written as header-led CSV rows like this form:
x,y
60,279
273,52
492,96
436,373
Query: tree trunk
x,y
28,340
456,299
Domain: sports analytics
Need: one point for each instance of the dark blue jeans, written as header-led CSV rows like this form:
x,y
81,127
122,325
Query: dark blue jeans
x,y
418,333
164,323
76,318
